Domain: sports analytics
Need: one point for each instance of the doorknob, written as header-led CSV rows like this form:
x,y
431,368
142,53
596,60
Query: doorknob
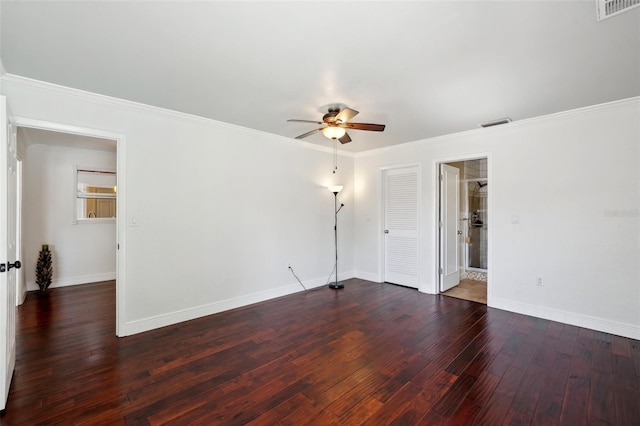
x,y
15,264
459,232
386,231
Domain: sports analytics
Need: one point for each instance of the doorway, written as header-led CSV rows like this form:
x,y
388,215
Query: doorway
x,y
62,138
463,229
62,171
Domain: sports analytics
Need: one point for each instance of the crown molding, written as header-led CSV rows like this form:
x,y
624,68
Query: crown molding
x,y
18,81
514,124
29,83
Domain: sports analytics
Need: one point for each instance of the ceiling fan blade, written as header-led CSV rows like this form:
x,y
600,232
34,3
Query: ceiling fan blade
x,y
304,135
346,114
305,121
364,126
345,139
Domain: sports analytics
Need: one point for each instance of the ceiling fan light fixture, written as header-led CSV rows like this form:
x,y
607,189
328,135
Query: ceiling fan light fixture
x,y
335,124
334,132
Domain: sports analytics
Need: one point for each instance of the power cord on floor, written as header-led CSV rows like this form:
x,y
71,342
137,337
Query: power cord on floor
x,y
328,279
294,274
331,274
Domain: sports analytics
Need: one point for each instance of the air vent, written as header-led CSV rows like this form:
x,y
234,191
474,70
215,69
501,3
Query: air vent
x,y
609,8
496,122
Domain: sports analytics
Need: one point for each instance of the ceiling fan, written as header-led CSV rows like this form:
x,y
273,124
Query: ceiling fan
x,y
336,122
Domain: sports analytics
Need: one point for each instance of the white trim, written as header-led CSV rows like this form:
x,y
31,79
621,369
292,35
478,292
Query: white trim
x,y
367,276
121,237
631,331
65,128
42,146
94,221
401,166
15,80
154,322
592,109
433,219
18,81
158,321
70,281
120,206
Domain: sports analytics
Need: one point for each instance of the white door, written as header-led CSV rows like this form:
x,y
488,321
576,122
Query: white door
x,y
449,224
401,226
8,256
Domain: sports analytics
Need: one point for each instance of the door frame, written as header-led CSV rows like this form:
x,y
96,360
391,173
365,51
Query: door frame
x,y
120,139
20,274
434,219
444,224
381,239
383,188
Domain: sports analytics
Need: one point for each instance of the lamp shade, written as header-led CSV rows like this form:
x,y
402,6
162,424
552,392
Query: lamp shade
x,y
335,188
334,132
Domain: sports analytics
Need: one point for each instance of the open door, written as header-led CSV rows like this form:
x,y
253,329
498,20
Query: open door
x,y
8,253
449,224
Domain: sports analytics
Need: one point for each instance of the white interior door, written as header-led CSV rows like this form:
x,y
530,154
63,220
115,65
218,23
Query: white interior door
x,y
401,226
8,255
449,226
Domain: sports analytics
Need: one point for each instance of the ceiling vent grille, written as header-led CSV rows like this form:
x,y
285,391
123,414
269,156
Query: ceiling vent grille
x,y
496,122
609,8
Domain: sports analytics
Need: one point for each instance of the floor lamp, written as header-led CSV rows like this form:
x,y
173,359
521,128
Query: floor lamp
x,y
335,189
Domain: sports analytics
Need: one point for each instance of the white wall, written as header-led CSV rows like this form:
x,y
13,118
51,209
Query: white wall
x,y
573,179
82,253
221,210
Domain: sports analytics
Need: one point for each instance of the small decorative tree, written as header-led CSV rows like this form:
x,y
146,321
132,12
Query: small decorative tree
x,y
44,269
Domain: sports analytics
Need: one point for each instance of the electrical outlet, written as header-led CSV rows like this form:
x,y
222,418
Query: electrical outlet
x,y
540,281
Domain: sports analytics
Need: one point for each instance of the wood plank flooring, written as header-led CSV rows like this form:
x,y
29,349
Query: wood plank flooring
x,y
370,354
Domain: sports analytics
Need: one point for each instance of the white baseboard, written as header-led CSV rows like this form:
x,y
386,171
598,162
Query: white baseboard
x,y
68,281
368,276
621,329
158,321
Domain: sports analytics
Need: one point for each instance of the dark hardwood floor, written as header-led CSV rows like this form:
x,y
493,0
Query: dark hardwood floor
x,y
369,354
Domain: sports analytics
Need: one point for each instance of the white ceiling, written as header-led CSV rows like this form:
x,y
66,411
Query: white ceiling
x,y
422,68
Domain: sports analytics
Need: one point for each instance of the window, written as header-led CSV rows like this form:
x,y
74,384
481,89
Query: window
x,y
95,195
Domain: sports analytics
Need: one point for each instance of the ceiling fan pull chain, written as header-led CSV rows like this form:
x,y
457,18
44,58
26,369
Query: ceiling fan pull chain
x,y
335,155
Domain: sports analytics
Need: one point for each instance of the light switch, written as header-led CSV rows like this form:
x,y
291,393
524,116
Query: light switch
x,y
515,219
134,221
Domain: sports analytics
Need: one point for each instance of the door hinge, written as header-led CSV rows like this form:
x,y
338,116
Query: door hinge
x,y
440,224
441,178
118,247
3,267
440,271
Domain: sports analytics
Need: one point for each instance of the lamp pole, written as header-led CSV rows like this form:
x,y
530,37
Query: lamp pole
x,y
335,190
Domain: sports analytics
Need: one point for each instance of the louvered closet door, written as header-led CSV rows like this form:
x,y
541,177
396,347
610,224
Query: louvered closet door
x,y
401,226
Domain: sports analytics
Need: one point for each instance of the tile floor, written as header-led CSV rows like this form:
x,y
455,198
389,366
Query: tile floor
x,y
468,289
